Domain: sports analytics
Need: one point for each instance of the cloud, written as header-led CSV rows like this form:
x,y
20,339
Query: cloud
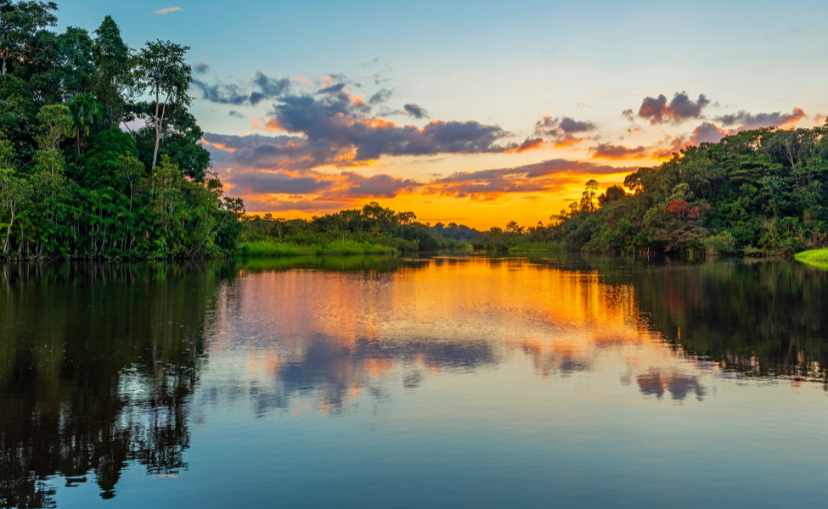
x,y
380,97
629,115
276,152
707,132
271,87
415,110
202,68
618,152
747,121
551,175
230,93
528,144
275,183
344,122
562,131
259,166
221,93
377,186
665,149
819,118
570,126
680,108
167,10
237,114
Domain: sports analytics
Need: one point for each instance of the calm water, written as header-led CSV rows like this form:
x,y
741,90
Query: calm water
x,y
440,382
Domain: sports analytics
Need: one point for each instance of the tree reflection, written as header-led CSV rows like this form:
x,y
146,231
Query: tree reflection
x,y
752,318
97,371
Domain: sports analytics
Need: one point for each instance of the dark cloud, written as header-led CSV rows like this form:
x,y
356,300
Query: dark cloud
x,y
529,144
276,152
271,87
201,68
747,121
237,114
658,111
275,183
266,204
221,94
615,152
344,122
629,115
562,131
707,132
333,89
377,186
380,97
416,110
570,126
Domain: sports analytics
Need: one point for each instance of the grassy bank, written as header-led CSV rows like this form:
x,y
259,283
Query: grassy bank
x,y
530,247
815,257
265,248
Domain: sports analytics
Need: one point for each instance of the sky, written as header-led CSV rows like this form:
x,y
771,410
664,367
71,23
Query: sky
x,y
473,112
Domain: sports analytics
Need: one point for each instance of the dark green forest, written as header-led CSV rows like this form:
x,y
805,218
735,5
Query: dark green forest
x,y
760,191
74,184
372,224
756,192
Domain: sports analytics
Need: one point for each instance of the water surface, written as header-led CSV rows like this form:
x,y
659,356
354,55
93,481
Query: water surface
x,y
438,382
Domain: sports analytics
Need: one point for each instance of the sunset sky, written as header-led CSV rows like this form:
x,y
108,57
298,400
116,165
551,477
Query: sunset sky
x,y
473,112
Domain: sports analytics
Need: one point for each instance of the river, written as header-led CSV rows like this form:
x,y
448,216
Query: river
x,y
443,381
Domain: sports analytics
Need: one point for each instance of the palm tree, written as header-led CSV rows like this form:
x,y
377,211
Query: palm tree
x,y
83,115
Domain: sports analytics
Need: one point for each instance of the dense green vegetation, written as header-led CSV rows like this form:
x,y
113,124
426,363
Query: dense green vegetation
x,y
761,191
370,230
348,247
72,182
815,257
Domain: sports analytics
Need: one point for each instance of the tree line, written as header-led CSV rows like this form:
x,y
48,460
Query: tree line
x,y
755,192
371,224
76,180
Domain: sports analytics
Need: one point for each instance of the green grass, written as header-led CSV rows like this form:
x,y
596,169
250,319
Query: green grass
x,y
815,257
349,247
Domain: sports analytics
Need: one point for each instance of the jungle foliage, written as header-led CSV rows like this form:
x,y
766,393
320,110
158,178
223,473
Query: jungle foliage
x,y
372,225
756,192
72,182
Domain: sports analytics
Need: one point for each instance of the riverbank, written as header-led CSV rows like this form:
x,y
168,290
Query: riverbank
x,y
276,249
815,257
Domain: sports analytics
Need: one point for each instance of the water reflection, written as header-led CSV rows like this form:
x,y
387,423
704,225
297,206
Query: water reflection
x,y
105,366
97,364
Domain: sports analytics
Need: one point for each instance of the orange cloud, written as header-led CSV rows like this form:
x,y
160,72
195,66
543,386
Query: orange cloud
x,y
218,146
529,144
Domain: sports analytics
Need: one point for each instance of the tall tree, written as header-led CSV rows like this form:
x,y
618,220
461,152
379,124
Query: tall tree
x,y
113,70
19,22
162,71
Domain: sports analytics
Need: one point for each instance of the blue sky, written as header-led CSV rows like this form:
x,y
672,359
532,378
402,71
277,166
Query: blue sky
x,y
496,63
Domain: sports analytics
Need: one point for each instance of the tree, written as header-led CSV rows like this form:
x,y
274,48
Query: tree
x,y
55,125
161,71
113,70
132,171
18,24
13,193
588,197
83,109
613,193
